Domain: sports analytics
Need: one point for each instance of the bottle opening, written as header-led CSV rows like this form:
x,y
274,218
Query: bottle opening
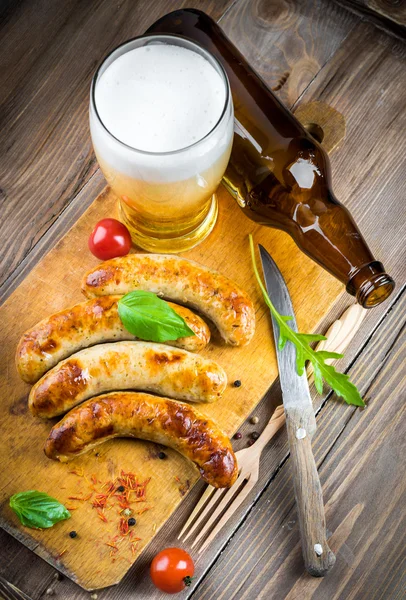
x,y
371,285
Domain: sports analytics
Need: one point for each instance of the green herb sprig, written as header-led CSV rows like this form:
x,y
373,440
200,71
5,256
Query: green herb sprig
x,y
38,510
149,318
339,382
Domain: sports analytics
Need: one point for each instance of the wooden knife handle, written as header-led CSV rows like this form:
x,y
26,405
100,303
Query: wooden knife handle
x,y
318,557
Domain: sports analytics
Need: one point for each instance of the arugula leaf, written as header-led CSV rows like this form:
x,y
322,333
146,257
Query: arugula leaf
x,y
149,318
38,510
339,382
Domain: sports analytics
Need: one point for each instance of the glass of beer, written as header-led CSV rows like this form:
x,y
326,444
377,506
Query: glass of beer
x,y
161,121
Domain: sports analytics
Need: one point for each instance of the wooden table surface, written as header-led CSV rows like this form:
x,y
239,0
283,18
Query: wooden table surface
x,y
306,50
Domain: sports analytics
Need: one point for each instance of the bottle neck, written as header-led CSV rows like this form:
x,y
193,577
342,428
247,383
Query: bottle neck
x,y
370,285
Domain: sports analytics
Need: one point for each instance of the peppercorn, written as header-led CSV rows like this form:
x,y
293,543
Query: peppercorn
x,y
97,455
254,420
162,455
255,435
238,435
250,442
121,488
237,383
131,521
72,534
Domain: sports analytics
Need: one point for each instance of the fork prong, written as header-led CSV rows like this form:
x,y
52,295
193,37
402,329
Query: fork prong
x,y
220,507
228,514
205,496
212,502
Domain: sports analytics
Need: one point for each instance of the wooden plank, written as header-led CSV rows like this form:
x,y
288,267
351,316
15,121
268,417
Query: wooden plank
x,y
287,42
390,16
69,590
331,86
48,54
359,454
368,168
273,46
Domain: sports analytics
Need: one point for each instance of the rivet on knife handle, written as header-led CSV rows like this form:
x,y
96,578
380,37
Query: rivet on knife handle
x,y
317,556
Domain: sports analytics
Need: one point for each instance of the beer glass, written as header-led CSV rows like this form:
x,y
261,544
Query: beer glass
x,y
166,199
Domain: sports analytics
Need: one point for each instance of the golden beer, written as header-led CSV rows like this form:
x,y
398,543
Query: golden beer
x,y
161,120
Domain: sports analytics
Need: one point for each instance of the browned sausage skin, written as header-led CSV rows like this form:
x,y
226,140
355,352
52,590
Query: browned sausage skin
x,y
86,324
143,366
180,280
138,415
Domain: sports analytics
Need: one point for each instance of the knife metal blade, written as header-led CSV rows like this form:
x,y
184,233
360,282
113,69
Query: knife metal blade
x,y
295,388
300,424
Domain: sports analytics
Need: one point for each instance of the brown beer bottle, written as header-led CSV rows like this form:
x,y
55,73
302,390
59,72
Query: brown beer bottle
x,y
279,174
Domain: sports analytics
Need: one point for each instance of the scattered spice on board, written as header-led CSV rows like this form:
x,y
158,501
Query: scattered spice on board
x,y
81,499
120,494
183,487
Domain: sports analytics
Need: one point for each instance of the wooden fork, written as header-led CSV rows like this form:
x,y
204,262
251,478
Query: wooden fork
x,y
338,337
248,463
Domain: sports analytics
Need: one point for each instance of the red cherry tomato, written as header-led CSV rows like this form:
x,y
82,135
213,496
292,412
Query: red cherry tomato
x,y
109,239
172,570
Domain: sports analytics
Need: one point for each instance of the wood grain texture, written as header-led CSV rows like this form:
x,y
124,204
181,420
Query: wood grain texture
x,y
324,123
44,100
358,454
368,166
374,111
287,41
48,54
386,14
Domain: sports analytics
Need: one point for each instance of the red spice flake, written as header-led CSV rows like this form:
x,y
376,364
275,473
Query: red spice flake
x,y
139,512
107,497
71,507
134,548
122,497
128,480
82,499
123,526
78,472
100,501
61,554
110,486
101,515
112,545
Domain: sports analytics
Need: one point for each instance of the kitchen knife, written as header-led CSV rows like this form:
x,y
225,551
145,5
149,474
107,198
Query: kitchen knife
x,y
301,424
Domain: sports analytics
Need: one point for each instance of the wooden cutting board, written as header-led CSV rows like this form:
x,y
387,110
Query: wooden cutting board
x,y
55,284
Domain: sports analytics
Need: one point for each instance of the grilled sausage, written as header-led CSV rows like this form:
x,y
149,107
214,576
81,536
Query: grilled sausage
x,y
132,414
145,366
180,280
86,324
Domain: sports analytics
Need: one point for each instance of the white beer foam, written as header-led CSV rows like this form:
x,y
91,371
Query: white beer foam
x,y
160,98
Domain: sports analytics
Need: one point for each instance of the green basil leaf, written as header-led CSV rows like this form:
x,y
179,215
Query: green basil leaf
x,y
37,509
149,318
